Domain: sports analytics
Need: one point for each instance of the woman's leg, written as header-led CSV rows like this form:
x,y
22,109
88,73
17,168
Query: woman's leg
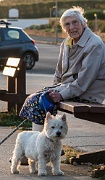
x,y
31,111
37,127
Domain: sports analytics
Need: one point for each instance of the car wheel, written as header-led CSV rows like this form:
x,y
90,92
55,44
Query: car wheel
x,y
29,59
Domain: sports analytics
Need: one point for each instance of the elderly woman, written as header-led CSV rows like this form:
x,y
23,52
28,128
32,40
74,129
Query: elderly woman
x,y
80,71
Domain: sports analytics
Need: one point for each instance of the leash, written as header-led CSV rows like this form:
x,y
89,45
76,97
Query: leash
x,y
19,127
45,109
44,105
13,131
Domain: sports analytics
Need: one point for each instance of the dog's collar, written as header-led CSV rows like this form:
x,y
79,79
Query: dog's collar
x,y
51,140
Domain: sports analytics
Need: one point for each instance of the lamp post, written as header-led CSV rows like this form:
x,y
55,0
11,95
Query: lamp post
x,y
56,13
95,15
50,12
104,13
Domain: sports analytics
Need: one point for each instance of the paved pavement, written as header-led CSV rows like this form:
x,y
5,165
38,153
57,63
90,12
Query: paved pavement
x,y
50,40
83,135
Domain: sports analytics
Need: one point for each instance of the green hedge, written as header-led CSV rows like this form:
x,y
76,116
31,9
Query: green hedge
x,y
42,9
90,14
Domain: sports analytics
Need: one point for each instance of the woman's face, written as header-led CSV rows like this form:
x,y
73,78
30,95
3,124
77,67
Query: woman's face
x,y
74,28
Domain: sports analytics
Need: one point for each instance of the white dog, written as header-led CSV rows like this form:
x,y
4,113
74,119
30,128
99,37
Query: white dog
x,y
42,146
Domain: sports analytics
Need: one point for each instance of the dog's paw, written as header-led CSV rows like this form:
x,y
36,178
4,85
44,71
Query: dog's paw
x,y
58,173
14,171
34,172
42,173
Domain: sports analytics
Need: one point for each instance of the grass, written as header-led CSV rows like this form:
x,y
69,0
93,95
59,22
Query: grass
x,y
98,171
69,153
11,119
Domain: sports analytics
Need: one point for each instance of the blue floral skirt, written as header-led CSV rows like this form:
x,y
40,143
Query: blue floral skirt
x,y
32,111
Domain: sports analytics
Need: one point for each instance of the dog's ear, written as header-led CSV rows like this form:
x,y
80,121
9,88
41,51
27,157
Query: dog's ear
x,y
48,116
64,117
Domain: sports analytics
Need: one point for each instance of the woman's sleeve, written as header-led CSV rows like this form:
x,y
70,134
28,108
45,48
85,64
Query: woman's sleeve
x,y
58,70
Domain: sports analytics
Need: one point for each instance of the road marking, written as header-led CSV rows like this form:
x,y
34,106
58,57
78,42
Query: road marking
x,y
39,75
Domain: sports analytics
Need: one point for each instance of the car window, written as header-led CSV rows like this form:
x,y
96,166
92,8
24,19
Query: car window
x,y
0,35
11,34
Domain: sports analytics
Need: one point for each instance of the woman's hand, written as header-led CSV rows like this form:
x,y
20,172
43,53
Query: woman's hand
x,y
55,96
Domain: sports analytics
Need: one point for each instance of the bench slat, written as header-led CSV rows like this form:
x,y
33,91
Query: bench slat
x,y
96,108
73,107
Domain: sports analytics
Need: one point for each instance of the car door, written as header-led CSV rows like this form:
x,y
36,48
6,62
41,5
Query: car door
x,y
1,44
11,46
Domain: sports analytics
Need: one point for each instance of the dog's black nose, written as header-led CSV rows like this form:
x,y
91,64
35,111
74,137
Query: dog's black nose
x,y
58,133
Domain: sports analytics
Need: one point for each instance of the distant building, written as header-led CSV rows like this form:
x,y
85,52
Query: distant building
x,y
13,13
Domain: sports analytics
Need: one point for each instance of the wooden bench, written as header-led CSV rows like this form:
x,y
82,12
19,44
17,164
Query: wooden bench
x,y
86,111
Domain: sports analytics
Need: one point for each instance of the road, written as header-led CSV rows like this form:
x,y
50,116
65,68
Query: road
x,y
48,57
50,40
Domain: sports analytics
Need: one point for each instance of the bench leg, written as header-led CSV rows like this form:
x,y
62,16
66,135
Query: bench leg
x,y
93,117
97,157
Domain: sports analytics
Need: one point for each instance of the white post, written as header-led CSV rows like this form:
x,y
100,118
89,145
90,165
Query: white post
x,y
56,31
50,12
96,27
37,127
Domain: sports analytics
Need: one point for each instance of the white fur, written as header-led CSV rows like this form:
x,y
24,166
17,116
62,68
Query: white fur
x,y
42,146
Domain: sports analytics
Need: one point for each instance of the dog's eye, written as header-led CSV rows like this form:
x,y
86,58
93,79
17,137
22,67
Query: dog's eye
x,y
52,127
61,127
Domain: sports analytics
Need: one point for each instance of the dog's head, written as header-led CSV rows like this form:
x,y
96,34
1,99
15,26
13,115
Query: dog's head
x,y
55,127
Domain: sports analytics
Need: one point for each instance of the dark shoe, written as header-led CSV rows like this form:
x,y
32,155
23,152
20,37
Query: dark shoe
x,y
10,160
62,152
23,161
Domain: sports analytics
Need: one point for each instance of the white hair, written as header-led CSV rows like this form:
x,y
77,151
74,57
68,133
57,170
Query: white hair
x,y
74,11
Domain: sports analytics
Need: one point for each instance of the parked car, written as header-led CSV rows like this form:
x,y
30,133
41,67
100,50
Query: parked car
x,y
15,42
